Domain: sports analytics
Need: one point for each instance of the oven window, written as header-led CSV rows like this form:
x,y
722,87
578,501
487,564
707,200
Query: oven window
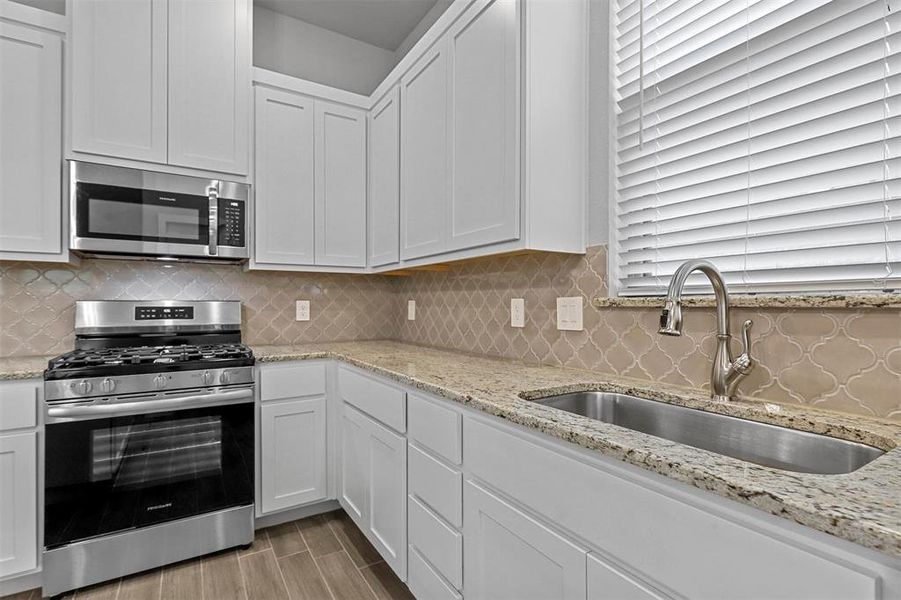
x,y
108,475
117,213
143,221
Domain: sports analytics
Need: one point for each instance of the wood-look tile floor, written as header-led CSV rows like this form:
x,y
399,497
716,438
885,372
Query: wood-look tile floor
x,y
318,558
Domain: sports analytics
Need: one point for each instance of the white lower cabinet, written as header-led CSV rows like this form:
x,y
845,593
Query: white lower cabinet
x,y
374,484
293,432
293,450
511,556
18,503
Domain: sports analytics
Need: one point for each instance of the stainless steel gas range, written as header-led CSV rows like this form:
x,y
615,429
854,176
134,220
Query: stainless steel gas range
x,y
149,440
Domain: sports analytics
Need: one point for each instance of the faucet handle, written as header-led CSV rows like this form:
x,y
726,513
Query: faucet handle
x,y
744,362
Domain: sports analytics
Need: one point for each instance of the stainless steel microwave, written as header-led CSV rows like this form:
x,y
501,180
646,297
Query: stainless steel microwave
x,y
141,214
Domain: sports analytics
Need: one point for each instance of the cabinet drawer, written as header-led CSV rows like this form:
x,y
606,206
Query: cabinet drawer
x,y
18,405
437,485
606,581
439,543
655,531
379,400
425,583
438,428
291,381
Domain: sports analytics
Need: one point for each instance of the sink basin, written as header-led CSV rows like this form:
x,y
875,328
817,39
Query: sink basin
x,y
759,443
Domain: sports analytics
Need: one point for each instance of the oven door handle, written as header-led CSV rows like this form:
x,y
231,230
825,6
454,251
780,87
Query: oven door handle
x,y
98,411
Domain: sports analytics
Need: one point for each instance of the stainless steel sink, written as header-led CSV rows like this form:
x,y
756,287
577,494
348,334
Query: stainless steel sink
x,y
759,443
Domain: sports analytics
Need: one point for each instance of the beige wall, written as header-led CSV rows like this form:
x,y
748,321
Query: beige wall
x,y
846,360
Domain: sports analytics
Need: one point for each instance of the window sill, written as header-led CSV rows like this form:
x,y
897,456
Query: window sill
x,y
888,301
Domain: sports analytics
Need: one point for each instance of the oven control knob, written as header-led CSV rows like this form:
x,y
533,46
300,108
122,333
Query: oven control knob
x,y
206,378
81,387
225,378
107,385
159,382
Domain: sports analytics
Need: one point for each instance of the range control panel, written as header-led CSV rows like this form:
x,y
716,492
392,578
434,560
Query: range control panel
x,y
153,313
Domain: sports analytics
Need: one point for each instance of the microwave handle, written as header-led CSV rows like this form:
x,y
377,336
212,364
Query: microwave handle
x,y
213,193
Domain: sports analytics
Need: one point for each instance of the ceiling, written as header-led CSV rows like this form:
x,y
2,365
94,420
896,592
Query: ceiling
x,y
382,23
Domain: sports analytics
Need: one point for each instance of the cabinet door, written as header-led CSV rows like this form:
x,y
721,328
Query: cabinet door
x,y
388,496
510,555
209,84
18,503
340,186
384,180
31,209
354,471
424,180
283,182
119,78
483,207
606,582
293,456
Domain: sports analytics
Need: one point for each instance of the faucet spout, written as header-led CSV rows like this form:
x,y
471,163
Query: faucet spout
x,y
726,371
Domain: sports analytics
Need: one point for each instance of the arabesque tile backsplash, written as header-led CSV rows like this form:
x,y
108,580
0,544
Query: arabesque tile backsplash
x,y
37,300
842,359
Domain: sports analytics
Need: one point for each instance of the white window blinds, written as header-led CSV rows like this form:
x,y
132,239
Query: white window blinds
x,y
762,135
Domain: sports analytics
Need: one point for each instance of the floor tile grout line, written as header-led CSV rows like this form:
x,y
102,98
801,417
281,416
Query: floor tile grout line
x,y
282,573
243,578
300,533
322,576
366,581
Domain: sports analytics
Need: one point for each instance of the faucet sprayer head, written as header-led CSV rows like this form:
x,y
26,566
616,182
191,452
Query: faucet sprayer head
x,y
671,319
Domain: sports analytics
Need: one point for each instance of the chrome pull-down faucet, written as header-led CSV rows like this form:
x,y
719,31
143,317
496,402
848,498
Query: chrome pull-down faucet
x,y
727,371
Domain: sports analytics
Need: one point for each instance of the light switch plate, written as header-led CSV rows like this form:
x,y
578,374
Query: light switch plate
x,y
411,310
569,314
302,310
517,312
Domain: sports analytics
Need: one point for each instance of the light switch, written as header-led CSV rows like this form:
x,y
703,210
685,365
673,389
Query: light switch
x,y
517,312
302,310
411,310
569,314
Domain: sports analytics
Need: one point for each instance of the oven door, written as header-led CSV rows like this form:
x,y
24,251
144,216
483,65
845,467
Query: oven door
x,y
143,462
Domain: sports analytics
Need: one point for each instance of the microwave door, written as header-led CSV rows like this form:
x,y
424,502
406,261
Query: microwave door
x,y
127,220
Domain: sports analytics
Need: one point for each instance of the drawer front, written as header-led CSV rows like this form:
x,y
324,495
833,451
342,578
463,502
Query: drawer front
x,y
381,401
438,428
438,486
425,583
440,544
18,404
654,533
291,380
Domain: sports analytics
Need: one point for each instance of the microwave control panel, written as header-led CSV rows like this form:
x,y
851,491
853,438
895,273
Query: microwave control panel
x,y
232,218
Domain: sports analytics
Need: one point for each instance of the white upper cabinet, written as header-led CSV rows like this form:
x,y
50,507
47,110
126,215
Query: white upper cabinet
x,y
283,182
209,84
119,78
384,180
483,206
162,82
31,206
340,184
424,158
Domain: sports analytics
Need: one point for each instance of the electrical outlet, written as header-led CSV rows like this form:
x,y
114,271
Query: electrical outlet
x,y
411,310
302,310
569,314
517,312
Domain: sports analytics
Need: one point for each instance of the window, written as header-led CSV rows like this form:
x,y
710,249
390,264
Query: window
x,y
762,135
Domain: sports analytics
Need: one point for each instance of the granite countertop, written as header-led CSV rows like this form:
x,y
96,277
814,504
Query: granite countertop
x,y
863,507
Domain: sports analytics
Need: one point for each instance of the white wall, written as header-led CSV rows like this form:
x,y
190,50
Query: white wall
x,y
427,21
297,48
